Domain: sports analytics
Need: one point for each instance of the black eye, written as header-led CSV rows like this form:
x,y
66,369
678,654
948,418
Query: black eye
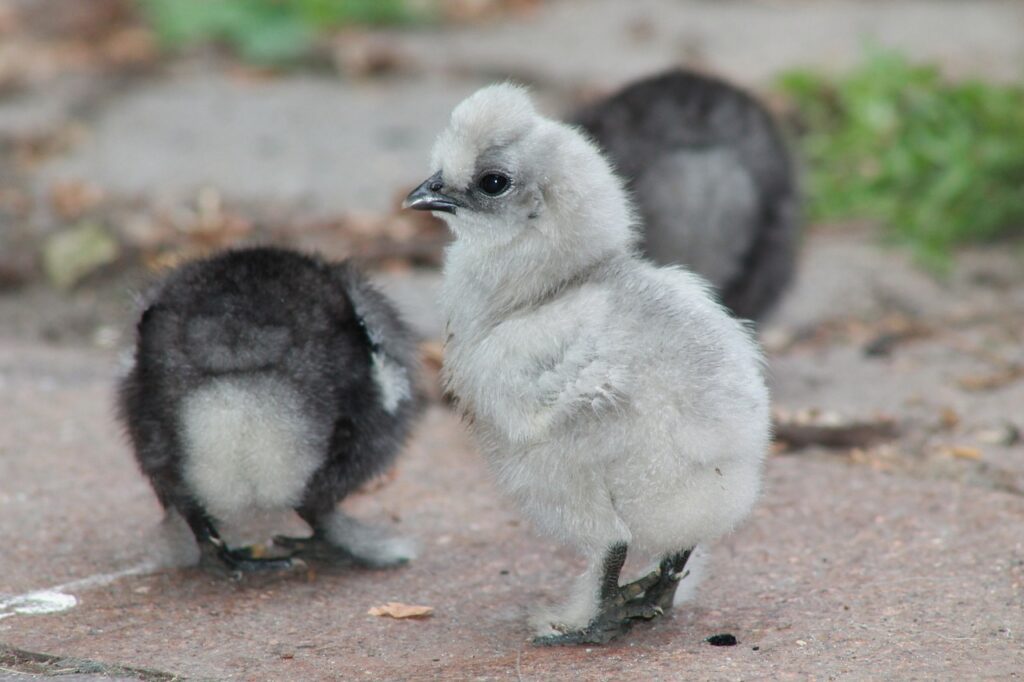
x,y
493,184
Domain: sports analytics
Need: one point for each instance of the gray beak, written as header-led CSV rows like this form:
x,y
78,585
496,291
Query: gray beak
x,y
428,197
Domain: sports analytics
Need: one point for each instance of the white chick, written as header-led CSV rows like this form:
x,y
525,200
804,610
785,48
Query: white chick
x,y
617,402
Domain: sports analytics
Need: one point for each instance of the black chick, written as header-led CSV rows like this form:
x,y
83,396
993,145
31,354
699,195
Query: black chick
x,y
268,379
712,179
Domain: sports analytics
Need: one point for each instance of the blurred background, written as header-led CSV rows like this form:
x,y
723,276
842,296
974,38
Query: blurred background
x,y
137,134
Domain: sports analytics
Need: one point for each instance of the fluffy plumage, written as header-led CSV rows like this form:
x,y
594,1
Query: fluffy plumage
x,y
616,401
712,178
268,379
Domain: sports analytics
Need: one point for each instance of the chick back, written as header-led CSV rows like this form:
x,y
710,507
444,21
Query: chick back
x,y
254,384
712,178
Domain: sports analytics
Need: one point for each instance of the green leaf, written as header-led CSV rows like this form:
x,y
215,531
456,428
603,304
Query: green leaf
x,y
71,255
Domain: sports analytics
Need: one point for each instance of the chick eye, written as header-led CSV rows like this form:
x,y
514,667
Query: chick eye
x,y
493,184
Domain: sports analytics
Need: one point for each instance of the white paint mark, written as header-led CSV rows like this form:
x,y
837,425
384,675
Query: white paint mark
x,y
57,598
102,579
37,603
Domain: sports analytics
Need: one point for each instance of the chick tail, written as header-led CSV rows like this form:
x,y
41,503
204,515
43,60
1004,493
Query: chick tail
x,y
697,567
216,344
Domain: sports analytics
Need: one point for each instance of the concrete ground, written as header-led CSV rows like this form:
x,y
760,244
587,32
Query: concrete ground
x,y
896,557
903,559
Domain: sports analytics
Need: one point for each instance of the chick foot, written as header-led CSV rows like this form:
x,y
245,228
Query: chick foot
x,y
315,548
671,570
215,553
619,612
620,607
318,548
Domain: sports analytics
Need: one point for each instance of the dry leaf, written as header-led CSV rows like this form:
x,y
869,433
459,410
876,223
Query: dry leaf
x,y
949,418
359,54
802,428
258,551
70,255
432,353
396,609
988,382
1006,435
73,198
963,452
132,45
378,481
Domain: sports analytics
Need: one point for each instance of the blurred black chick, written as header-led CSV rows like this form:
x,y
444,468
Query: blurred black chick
x,y
712,179
267,379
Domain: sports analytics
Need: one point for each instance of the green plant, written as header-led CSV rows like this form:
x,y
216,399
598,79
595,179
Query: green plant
x,y
265,31
937,163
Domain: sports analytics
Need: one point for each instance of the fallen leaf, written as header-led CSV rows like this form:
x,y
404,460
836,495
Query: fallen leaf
x,y
72,198
258,550
803,428
962,452
1007,434
358,54
432,353
894,330
378,481
949,418
71,255
988,382
129,46
396,609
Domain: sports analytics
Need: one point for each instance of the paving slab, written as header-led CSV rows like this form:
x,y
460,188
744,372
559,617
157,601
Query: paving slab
x,y
307,143
842,571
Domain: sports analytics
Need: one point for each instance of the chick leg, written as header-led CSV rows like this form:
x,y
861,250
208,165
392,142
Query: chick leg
x,y
212,545
619,607
339,539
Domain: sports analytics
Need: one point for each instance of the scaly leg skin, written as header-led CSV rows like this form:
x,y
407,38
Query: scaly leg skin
x,y
620,607
341,540
662,593
213,548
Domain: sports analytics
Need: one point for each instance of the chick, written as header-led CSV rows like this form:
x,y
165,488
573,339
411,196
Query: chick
x,y
268,379
617,402
712,178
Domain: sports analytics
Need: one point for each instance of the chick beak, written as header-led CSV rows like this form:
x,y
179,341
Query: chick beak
x,y
428,197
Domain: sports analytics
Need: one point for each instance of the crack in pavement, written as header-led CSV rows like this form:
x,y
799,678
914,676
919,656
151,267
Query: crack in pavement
x,y
19,660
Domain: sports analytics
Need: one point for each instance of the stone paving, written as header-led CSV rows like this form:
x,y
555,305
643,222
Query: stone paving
x,y
897,563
